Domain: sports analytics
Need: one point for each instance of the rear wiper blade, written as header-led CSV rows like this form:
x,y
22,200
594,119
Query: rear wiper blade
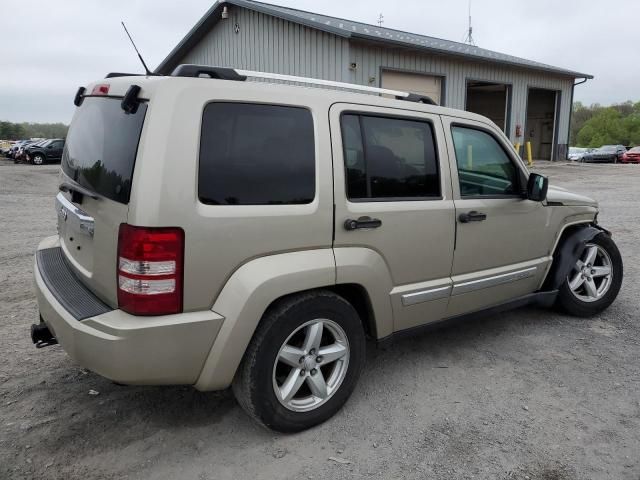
x,y
71,188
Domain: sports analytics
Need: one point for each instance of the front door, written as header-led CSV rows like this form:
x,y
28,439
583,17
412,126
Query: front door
x,y
393,199
502,246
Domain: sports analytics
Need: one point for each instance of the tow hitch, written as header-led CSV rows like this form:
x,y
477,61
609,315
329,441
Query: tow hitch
x,y
42,336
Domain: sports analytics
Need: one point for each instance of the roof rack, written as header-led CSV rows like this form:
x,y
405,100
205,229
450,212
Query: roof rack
x,y
223,73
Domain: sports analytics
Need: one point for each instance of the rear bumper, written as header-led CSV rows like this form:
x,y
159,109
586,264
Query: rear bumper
x,y
161,350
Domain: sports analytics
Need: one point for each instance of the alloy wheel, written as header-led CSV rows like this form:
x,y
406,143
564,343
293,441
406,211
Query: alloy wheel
x,y
592,274
311,365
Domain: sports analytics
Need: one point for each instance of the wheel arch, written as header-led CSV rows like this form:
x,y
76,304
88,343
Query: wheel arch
x,y
569,247
245,298
260,283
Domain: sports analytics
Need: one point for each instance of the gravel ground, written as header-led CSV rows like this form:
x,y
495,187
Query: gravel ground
x,y
529,394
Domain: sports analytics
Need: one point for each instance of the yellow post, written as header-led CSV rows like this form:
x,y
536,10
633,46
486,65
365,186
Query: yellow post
x,y
529,157
517,147
470,157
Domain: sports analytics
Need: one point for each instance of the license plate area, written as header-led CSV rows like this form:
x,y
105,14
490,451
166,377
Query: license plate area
x,y
76,229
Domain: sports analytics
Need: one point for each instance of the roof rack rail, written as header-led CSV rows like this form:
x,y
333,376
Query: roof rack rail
x,y
223,73
120,74
220,73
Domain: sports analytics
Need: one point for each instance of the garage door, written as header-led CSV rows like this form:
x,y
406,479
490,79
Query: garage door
x,y
412,82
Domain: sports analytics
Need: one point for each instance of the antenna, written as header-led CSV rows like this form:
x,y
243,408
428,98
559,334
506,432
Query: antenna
x,y
380,19
469,38
146,69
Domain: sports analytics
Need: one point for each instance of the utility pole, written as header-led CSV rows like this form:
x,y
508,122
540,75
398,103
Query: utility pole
x,y
380,20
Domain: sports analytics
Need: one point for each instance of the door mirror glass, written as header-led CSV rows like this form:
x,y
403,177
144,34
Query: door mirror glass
x,y
537,187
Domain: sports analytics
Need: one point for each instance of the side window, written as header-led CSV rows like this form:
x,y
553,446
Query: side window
x,y
484,168
254,154
389,158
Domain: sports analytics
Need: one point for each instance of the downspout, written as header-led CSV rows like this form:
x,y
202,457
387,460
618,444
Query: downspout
x,y
584,80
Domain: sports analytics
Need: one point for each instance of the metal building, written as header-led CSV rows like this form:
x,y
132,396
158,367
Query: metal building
x,y
531,101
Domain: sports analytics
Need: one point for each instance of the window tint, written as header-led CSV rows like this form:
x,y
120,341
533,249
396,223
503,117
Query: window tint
x,y
101,147
389,158
483,166
256,155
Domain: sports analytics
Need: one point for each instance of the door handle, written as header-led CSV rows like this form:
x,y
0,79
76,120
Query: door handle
x,y
472,216
362,222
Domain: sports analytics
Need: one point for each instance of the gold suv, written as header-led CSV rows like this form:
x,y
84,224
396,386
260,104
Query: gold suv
x,y
221,231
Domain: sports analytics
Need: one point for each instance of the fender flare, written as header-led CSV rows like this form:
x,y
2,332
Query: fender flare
x,y
568,252
246,296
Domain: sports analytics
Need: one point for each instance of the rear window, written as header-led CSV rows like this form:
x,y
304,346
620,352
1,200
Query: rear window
x,y
101,147
254,154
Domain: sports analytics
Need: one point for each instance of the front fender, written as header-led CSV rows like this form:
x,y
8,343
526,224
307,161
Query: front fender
x,y
246,296
568,252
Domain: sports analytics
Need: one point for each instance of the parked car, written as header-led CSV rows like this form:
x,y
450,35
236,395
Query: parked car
x,y
576,153
19,154
605,154
286,226
631,156
45,151
14,148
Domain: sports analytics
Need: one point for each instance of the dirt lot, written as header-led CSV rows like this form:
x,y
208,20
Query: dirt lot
x,y
529,394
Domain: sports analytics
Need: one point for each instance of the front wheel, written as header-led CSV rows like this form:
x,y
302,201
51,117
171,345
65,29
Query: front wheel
x,y
595,279
38,159
302,363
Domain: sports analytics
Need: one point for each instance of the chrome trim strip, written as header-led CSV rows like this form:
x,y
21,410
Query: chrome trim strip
x,y
487,282
426,295
67,211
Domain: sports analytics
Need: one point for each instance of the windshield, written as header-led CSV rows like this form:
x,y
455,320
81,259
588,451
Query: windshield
x,y
577,150
607,148
101,147
634,150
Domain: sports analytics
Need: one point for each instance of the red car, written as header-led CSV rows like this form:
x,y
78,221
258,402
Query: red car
x,y
632,156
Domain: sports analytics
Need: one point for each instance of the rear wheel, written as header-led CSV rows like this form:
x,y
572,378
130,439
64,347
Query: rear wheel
x,y
38,159
595,279
303,362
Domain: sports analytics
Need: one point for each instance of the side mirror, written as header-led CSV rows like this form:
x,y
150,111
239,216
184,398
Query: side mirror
x,y
537,186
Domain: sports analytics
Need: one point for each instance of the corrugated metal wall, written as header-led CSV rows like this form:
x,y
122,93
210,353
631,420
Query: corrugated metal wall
x,y
266,43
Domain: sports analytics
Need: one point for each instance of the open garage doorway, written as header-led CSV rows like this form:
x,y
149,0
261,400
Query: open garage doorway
x,y
541,122
493,100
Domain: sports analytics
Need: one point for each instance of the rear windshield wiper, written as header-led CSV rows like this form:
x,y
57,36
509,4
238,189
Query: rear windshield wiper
x,y
77,189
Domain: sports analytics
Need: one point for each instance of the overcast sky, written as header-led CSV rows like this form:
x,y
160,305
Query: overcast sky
x,y
49,48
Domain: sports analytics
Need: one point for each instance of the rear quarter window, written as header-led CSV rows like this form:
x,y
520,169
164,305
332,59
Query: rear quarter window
x,y
253,154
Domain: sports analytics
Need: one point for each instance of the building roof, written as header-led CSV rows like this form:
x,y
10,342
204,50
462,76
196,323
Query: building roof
x,y
356,30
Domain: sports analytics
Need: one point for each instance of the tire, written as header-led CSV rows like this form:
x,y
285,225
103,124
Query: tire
x,y
578,301
262,372
38,159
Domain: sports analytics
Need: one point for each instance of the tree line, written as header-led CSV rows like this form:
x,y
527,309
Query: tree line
x,y
25,130
595,125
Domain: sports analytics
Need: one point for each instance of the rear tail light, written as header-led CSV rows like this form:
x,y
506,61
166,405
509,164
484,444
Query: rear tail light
x,y
150,269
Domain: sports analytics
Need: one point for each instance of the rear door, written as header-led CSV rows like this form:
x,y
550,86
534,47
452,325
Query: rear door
x,y
393,196
98,159
502,242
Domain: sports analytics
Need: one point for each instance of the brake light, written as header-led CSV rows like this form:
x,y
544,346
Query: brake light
x,y
102,89
150,269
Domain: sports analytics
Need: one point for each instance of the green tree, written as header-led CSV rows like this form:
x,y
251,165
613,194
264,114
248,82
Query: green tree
x,y
19,131
596,125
